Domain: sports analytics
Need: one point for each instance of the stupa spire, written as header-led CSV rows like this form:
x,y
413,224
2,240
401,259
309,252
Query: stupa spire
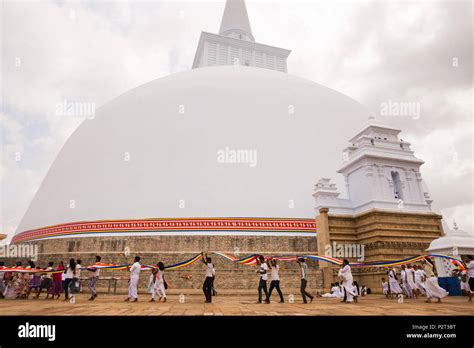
x,y
235,21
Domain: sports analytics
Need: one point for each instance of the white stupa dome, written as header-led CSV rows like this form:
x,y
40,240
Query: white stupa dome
x,y
171,130
454,239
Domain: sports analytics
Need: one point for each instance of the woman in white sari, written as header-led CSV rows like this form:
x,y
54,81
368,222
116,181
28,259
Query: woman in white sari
x,y
345,275
393,283
433,290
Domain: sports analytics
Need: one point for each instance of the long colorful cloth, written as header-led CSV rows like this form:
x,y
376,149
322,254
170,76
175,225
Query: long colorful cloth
x,y
250,260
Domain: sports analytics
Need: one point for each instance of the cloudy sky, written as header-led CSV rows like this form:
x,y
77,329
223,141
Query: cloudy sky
x,y
374,51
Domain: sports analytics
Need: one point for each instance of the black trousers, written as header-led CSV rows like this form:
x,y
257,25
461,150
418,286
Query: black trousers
x,y
262,285
275,284
206,288
304,293
213,291
471,283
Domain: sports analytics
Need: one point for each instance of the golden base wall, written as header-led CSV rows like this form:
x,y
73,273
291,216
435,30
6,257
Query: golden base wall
x,y
386,236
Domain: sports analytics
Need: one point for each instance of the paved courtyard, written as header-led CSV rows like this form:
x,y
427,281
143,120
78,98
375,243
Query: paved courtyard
x,y
232,304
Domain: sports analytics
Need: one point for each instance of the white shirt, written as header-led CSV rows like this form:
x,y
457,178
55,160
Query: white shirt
x,y
78,271
135,270
403,274
275,275
159,280
96,272
209,270
470,269
304,270
428,269
410,272
69,273
418,275
385,286
264,271
48,274
345,274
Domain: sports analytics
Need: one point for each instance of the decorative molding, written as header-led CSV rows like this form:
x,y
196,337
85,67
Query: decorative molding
x,y
177,226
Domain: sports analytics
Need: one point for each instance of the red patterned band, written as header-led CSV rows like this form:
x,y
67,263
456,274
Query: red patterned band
x,y
130,227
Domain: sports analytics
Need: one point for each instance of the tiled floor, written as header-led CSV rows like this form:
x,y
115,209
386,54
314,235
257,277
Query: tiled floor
x,y
242,304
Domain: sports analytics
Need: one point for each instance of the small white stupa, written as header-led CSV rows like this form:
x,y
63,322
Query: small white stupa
x,y
455,242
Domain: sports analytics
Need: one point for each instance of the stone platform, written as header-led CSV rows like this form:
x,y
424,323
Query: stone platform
x,y
235,303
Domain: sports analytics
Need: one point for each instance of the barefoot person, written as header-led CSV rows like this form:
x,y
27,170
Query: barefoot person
x,y
304,280
158,283
470,275
385,288
262,284
345,274
419,280
395,288
405,286
411,280
133,282
463,281
94,278
69,283
335,292
57,285
207,285
2,275
34,283
433,290
46,280
275,283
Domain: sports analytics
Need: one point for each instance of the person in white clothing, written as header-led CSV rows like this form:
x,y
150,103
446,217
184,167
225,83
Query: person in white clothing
x,y
76,281
419,280
433,290
133,282
275,283
158,284
69,280
411,279
262,284
2,284
393,283
470,275
406,287
463,281
335,292
356,289
207,286
385,288
345,274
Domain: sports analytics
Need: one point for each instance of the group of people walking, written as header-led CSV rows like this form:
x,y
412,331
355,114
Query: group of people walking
x,y
420,280
54,280
270,266
415,281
